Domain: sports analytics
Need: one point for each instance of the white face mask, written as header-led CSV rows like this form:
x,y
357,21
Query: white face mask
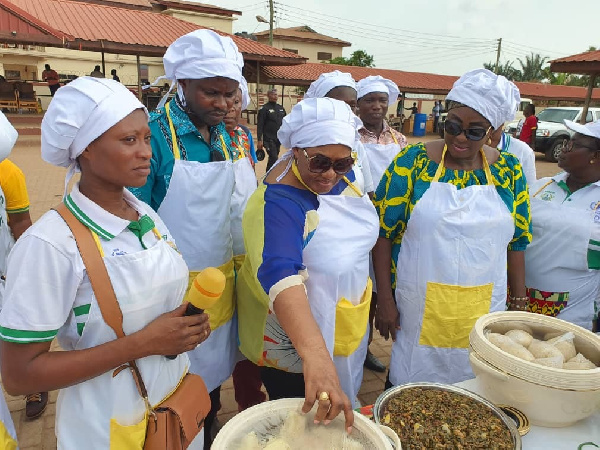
x,y
8,137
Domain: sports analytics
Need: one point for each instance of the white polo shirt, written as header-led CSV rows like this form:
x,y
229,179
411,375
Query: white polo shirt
x,y
564,254
48,292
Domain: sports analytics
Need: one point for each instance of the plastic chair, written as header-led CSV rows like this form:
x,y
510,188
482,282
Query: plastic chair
x,y
8,96
26,97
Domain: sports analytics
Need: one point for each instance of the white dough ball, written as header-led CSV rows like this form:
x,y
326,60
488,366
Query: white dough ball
x,y
521,337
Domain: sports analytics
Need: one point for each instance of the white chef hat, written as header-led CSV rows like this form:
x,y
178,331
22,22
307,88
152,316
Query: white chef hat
x,y
328,81
591,129
8,137
491,95
81,112
198,55
245,94
376,83
319,121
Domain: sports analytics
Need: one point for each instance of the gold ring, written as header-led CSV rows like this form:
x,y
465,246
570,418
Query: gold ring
x,y
324,396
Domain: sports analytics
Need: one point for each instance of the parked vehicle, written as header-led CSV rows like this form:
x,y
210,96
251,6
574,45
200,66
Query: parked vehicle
x,y
552,133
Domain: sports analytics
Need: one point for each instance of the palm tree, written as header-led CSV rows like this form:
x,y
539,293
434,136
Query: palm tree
x,y
507,69
532,69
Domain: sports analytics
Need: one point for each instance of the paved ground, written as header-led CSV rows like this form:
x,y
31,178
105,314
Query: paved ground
x,y
46,185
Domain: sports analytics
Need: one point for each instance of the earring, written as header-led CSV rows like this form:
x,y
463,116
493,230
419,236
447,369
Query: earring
x,y
592,161
489,141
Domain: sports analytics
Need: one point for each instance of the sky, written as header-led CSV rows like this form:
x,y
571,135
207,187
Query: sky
x,y
437,36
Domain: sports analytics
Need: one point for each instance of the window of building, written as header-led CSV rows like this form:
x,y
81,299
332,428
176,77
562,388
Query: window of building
x,y
144,73
291,50
324,56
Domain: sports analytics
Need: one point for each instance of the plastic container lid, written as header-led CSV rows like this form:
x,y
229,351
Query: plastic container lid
x,y
585,341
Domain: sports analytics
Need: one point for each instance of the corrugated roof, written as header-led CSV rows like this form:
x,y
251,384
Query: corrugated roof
x,y
593,56
134,3
303,33
413,82
148,32
199,7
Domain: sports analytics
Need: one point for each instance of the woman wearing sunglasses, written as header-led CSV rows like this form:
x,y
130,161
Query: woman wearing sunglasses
x,y
304,289
453,214
563,261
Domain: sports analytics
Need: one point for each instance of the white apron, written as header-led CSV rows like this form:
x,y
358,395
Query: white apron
x,y
196,210
107,412
380,157
6,243
556,259
451,270
8,434
245,185
338,285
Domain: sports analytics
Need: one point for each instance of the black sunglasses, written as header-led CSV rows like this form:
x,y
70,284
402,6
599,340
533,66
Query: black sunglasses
x,y
472,134
321,164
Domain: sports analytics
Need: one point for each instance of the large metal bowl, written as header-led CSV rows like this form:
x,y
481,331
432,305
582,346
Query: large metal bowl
x,y
384,398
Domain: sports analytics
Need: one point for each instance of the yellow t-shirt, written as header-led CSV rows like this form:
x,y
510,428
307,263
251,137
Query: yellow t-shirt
x,y
12,182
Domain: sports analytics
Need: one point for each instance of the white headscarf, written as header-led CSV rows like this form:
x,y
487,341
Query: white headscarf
x,y
245,94
376,83
591,129
198,55
328,81
319,121
8,137
81,112
491,95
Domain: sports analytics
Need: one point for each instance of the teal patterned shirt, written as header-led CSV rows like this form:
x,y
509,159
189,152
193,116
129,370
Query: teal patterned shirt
x,y
412,171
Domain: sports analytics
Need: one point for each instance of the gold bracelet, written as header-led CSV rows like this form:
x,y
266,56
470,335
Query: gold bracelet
x,y
518,303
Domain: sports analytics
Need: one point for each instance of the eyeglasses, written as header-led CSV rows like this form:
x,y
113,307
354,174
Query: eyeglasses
x,y
321,164
568,145
472,134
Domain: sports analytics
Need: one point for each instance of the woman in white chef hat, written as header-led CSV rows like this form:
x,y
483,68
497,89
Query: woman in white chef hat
x,y
8,138
341,86
98,127
454,214
563,260
304,289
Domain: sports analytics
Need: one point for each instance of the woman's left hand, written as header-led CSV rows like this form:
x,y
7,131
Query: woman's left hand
x,y
322,385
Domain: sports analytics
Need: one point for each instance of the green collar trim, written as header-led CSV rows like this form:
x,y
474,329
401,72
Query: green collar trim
x,y
84,219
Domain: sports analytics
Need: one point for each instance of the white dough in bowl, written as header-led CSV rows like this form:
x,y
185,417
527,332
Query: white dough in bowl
x,y
541,349
579,362
521,337
565,345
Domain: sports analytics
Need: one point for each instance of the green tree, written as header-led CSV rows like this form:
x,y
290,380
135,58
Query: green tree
x,y
507,69
532,69
358,58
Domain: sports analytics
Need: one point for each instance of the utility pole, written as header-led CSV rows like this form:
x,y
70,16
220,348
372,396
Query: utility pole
x,y
271,14
498,55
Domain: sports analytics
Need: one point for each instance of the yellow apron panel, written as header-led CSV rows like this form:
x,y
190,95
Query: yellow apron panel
x,y
253,308
129,437
451,312
223,309
6,440
351,323
238,260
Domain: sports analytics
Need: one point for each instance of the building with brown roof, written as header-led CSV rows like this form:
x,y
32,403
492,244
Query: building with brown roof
x,y
100,32
305,42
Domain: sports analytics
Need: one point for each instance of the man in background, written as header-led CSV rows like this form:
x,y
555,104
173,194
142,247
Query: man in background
x,y
269,122
529,126
97,73
49,75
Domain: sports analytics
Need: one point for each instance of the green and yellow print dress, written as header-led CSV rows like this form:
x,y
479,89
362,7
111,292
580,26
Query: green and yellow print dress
x,y
410,175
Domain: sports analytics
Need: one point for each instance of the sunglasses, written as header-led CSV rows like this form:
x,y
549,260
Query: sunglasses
x,y
472,134
321,164
570,145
